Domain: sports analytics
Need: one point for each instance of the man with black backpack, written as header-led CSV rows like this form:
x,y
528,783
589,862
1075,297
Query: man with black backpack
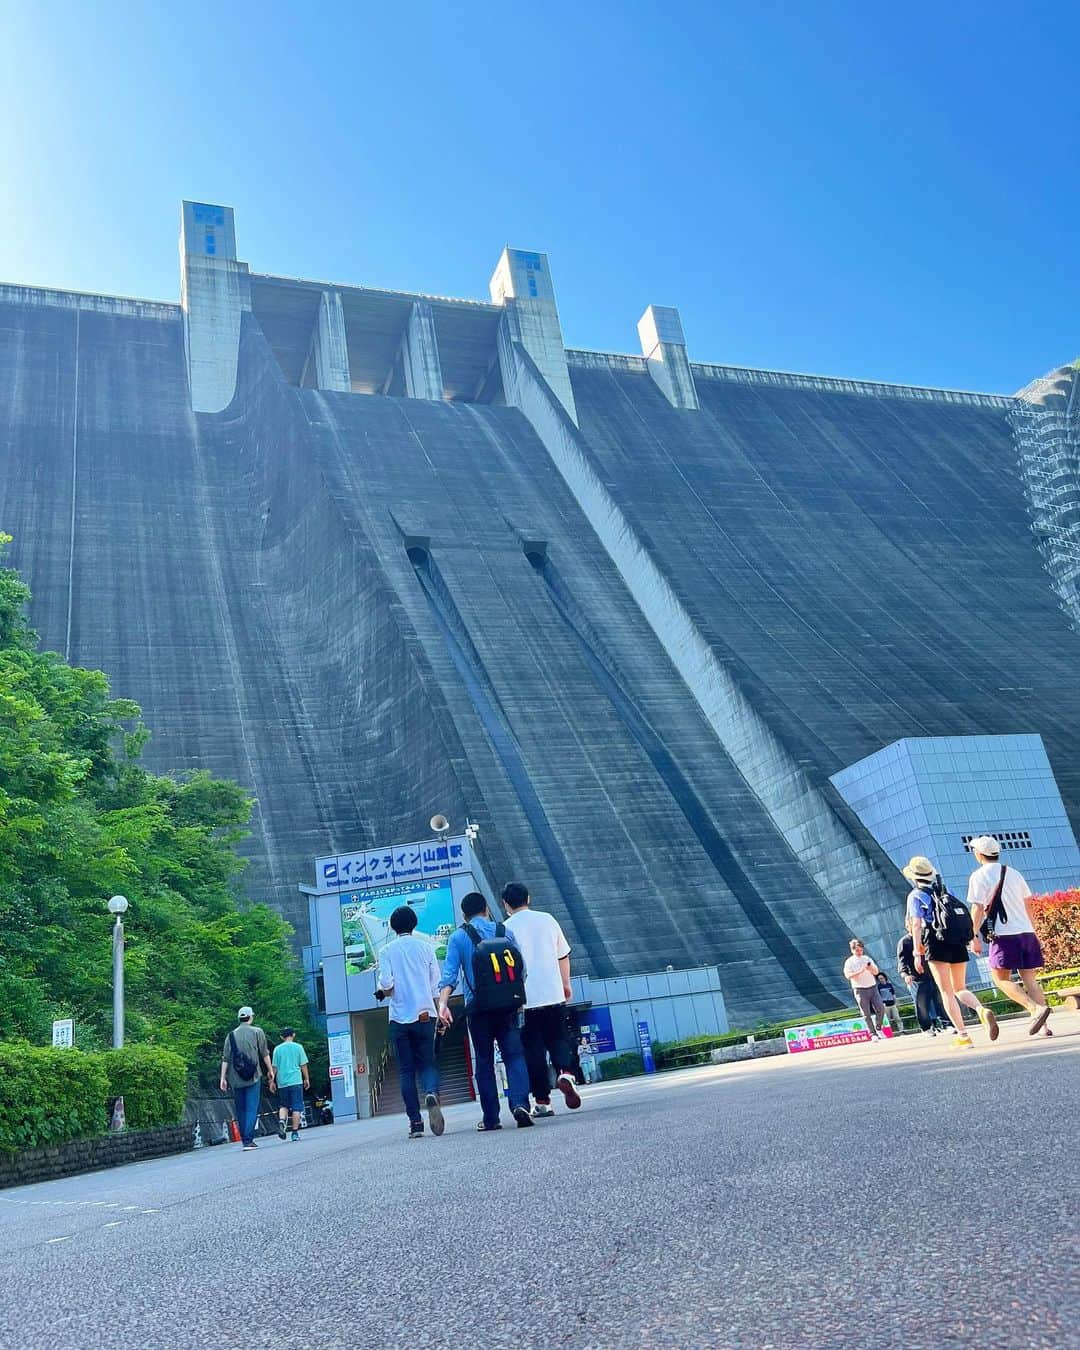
x,y
245,1050
483,956
941,932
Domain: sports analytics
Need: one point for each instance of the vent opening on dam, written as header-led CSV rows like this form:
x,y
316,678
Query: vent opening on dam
x,y
705,650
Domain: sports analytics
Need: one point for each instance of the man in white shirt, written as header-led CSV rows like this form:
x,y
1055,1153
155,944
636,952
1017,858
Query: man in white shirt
x,y
547,989
862,973
409,977
999,894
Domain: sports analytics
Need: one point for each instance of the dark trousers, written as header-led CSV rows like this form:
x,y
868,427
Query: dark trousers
x,y
928,1009
544,1033
486,1028
414,1046
246,1104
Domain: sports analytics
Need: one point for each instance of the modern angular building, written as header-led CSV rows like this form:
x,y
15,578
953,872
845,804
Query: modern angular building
x,y
377,555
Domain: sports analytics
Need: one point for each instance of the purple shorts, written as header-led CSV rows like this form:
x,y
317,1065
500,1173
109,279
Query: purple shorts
x,y
1016,951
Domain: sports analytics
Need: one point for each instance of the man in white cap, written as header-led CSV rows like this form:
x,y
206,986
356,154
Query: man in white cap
x,y
243,1057
941,930
998,894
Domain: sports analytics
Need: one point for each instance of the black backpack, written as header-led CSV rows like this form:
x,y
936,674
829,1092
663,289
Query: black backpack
x,y
951,922
243,1065
498,972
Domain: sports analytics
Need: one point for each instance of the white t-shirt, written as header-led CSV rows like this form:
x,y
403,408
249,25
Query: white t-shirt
x,y
860,971
981,888
543,944
408,964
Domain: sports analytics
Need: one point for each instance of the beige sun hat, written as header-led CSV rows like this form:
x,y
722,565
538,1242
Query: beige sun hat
x,y
920,869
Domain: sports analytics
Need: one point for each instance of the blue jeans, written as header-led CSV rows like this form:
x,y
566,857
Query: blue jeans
x,y
414,1046
486,1028
246,1102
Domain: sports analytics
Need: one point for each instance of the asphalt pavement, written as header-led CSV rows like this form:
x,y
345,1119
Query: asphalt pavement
x,y
904,1194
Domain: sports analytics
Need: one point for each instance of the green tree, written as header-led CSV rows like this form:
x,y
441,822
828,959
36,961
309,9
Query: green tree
x,y
80,819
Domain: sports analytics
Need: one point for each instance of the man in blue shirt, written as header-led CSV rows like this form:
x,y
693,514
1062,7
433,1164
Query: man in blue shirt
x,y
486,1027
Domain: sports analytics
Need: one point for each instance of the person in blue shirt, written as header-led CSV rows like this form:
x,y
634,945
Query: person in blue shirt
x,y
486,1027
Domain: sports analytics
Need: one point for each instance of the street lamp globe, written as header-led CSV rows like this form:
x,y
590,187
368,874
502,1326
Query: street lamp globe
x,y
118,904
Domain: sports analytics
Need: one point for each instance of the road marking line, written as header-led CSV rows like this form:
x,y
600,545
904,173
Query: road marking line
x,y
114,1223
50,1241
131,1206
151,1211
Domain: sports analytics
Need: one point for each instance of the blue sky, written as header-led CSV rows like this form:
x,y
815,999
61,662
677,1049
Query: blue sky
x,y
884,191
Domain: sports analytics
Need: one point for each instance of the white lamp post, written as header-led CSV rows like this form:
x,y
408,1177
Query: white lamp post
x,y
118,906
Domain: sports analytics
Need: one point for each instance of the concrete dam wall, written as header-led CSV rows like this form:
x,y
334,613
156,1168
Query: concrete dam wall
x,y
629,613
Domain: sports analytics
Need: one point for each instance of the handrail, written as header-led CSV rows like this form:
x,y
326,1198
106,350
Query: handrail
x,y
378,1076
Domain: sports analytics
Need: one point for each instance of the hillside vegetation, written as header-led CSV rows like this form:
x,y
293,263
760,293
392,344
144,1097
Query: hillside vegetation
x,y
80,820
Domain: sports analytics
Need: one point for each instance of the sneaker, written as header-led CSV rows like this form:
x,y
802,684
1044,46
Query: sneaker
x,y
416,1131
568,1088
1038,1022
962,1041
296,1136
434,1114
521,1115
281,1129
248,1148
990,1022
541,1111
483,1128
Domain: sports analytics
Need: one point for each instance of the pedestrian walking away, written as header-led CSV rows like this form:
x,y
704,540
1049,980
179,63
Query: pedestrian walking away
x,y
862,973
547,991
929,1012
998,898
291,1075
409,976
941,933
243,1057
477,953
887,990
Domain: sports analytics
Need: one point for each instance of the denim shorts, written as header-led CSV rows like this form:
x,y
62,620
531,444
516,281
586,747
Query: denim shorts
x,y
291,1096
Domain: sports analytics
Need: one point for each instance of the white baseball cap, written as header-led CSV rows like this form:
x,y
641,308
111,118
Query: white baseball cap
x,y
246,1013
985,844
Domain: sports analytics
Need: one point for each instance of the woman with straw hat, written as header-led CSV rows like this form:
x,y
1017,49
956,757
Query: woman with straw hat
x,y
947,960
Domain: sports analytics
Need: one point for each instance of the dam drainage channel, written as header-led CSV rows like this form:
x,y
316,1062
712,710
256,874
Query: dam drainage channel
x,y
729,869
470,669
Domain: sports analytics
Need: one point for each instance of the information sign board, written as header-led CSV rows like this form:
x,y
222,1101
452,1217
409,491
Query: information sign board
x,y
365,920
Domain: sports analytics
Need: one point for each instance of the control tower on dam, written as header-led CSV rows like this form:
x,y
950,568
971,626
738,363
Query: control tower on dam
x,y
376,555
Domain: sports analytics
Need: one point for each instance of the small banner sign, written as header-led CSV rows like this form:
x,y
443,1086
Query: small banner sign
x,y
827,1035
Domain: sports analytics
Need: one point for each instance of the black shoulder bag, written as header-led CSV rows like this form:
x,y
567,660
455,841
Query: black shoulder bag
x,y
995,911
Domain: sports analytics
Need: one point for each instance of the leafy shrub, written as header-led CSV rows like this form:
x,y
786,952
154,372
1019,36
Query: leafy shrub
x,y
621,1066
49,1096
674,1053
152,1082
1057,922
